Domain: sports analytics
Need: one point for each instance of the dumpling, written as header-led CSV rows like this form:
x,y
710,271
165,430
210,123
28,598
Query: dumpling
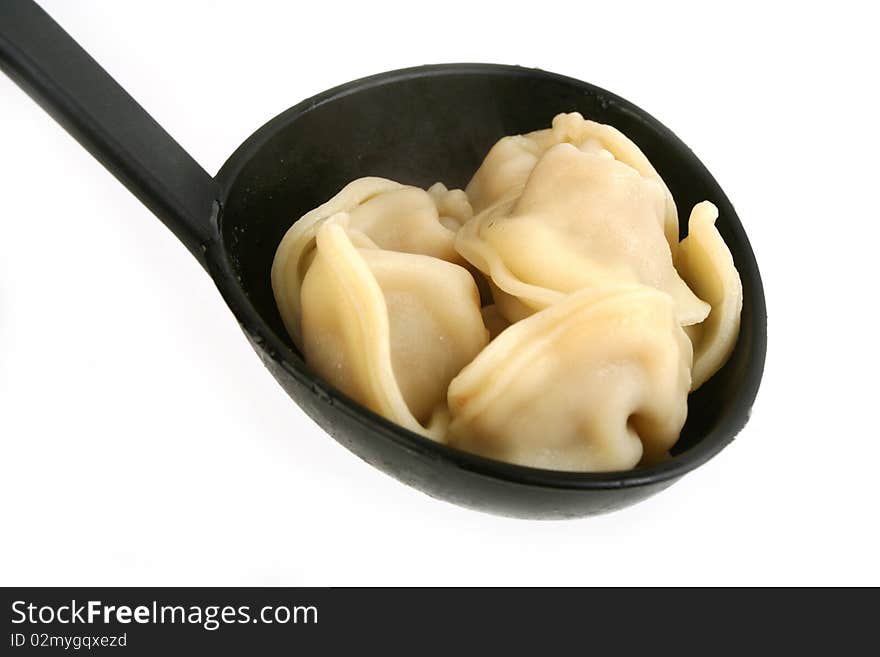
x,y
596,382
395,217
510,161
704,261
583,219
389,329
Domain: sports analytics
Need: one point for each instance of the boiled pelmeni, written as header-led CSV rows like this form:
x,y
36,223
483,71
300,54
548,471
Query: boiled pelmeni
x,y
511,160
705,262
389,329
596,382
583,219
395,217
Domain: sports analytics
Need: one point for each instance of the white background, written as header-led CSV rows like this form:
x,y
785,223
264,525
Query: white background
x,y
143,442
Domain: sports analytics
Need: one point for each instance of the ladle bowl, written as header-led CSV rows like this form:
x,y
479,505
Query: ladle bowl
x,y
417,126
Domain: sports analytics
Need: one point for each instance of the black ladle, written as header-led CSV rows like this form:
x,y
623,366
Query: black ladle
x,y
416,126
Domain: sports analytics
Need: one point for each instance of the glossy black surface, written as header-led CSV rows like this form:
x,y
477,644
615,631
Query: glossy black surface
x,y
416,126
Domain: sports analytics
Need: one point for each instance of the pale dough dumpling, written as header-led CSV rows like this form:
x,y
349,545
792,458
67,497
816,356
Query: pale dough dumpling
x,y
704,261
583,219
395,217
389,329
596,382
510,161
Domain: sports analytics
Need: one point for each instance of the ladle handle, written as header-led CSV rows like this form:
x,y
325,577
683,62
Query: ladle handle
x,y
55,71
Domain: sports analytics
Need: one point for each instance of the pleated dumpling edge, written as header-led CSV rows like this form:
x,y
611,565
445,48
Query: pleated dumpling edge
x,y
705,262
